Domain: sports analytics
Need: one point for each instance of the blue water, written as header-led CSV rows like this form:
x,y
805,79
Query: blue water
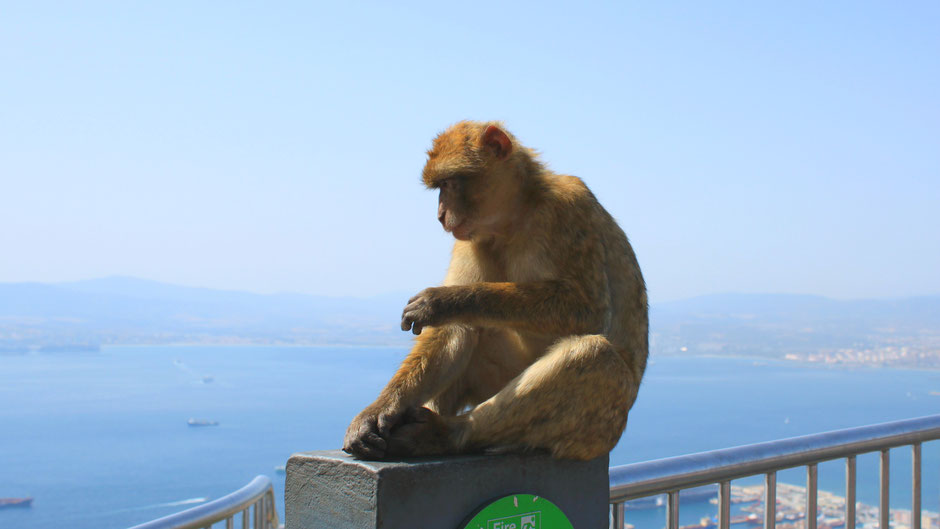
x,y
100,439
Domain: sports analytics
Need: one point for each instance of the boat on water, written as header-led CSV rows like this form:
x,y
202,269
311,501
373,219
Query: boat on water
x,y
15,502
695,494
202,422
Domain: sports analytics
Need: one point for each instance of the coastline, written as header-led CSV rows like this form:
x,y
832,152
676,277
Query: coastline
x,y
406,344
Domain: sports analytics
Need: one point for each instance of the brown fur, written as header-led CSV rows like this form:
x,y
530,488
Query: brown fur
x,y
538,338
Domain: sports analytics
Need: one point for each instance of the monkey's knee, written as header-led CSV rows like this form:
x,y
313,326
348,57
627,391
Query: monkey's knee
x,y
602,383
591,354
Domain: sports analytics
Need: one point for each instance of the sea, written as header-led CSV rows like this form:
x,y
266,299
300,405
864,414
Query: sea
x,y
101,440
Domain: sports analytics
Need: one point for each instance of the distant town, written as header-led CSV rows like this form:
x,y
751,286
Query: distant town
x,y
917,352
84,315
791,511
915,357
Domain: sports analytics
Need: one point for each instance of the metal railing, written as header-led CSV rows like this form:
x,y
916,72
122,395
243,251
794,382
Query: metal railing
x,y
669,476
255,502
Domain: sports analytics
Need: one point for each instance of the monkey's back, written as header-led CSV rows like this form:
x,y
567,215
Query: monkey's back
x,y
627,319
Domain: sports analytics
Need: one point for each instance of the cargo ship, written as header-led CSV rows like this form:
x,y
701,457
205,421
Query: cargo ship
x,y
695,494
202,422
15,502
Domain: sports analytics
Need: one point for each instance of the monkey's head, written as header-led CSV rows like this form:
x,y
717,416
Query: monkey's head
x,y
474,166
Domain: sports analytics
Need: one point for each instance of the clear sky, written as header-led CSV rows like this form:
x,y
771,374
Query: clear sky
x,y
743,146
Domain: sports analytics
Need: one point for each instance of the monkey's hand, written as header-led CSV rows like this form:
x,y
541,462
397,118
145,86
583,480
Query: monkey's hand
x,y
423,432
426,308
366,437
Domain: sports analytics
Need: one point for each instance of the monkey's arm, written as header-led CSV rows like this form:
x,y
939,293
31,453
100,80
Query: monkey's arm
x,y
560,306
437,358
432,365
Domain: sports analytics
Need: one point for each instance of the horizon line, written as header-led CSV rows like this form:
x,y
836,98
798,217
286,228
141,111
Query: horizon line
x,y
65,283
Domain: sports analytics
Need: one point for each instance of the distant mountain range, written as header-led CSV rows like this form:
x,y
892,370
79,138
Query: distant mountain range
x,y
923,310
130,310
780,324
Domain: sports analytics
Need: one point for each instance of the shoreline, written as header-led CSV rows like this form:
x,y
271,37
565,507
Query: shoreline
x,y
406,346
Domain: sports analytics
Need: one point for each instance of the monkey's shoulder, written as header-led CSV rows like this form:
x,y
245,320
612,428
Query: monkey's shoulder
x,y
569,202
567,187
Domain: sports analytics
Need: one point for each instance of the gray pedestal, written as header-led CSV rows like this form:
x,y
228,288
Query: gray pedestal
x,y
331,490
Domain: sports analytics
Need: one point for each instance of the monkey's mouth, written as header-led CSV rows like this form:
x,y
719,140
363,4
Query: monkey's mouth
x,y
461,231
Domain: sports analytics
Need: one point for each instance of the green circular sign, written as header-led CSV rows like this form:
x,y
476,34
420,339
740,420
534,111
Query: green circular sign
x,y
520,511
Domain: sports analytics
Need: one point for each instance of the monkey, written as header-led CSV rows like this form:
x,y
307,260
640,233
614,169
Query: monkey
x,y
538,338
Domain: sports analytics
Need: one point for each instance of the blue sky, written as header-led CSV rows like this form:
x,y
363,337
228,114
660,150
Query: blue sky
x,y
743,146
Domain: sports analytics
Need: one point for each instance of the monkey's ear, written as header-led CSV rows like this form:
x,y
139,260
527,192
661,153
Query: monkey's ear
x,y
497,142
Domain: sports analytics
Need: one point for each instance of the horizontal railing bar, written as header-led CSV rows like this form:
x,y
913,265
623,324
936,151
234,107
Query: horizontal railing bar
x,y
213,511
654,477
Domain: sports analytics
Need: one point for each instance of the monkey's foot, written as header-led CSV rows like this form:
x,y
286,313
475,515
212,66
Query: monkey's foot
x,y
423,432
367,433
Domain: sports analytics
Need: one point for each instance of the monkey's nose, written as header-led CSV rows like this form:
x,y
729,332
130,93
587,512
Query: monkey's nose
x,y
440,217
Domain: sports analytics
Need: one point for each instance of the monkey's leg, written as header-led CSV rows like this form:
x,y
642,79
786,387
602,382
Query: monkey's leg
x,y
573,402
497,357
437,360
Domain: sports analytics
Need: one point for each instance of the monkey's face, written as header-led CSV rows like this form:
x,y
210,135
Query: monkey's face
x,y
462,204
454,206
474,205
463,165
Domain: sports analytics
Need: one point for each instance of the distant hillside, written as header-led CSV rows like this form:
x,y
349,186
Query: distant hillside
x,y
780,324
123,309
915,311
130,310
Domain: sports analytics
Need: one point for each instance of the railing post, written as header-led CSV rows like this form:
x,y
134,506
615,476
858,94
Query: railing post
x,y
619,518
884,507
724,505
850,492
915,486
672,510
811,491
331,489
770,500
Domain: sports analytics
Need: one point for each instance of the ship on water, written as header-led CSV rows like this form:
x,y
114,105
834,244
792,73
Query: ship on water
x,y
15,502
695,494
202,422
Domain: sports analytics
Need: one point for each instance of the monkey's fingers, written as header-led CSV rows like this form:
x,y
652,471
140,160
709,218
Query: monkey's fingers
x,y
418,414
368,446
410,321
387,421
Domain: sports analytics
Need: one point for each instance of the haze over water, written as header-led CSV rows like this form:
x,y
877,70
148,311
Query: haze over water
x,y
100,439
743,147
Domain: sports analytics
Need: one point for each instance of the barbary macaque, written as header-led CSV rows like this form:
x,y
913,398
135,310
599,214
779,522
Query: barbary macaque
x,y
538,338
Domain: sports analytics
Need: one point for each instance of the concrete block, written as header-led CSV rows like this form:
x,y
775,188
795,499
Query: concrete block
x,y
332,490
